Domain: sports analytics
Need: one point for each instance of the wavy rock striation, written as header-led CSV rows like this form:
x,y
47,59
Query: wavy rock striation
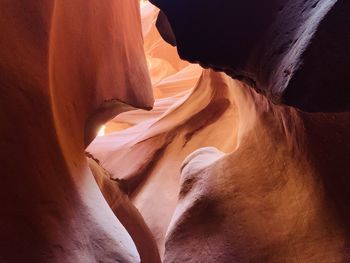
x,y
215,172
263,182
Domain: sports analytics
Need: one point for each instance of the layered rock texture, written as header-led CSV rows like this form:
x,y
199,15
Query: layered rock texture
x,y
246,165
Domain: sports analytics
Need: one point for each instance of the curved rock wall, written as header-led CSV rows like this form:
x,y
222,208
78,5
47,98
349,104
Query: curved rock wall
x,y
63,70
293,51
263,183
280,196
215,172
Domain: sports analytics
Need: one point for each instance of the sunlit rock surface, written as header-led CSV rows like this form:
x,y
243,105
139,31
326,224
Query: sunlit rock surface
x,y
215,172
221,174
65,68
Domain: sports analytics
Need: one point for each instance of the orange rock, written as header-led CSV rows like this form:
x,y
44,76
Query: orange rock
x,y
65,67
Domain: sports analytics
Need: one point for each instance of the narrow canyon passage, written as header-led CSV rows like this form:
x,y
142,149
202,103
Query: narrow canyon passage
x,y
174,131
201,109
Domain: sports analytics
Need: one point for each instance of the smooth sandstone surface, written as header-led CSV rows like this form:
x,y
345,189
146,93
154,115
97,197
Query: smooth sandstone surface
x,y
125,211
224,175
65,67
280,196
215,172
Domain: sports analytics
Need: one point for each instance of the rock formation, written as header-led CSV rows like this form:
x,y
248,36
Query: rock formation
x,y
250,165
287,49
280,196
65,68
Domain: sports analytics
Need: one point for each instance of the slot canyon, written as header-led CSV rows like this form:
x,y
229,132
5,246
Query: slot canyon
x,y
200,131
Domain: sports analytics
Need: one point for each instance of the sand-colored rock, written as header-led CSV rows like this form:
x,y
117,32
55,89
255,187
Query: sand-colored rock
x,y
65,67
280,196
215,172
125,211
263,183
148,156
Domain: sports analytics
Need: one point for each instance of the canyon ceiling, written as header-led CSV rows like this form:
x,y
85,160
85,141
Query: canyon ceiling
x,y
175,131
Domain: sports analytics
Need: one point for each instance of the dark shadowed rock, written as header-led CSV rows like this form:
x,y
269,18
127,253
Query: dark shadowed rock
x,y
165,29
285,49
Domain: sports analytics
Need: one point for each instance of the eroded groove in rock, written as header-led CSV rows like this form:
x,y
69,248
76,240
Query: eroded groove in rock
x,y
125,211
215,172
263,187
280,196
177,133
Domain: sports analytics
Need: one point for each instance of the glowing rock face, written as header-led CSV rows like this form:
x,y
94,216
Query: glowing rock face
x,y
173,81
65,66
217,172
223,175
